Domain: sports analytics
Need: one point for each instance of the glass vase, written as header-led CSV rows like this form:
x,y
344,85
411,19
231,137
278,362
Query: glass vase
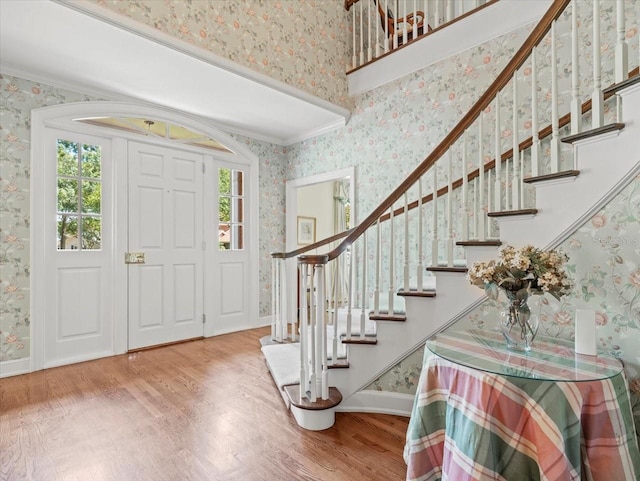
x,y
519,327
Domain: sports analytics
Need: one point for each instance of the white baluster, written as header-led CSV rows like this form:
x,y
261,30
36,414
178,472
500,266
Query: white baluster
x,y
337,294
370,18
521,186
436,20
376,291
284,304
386,26
450,229
304,331
392,260
426,11
350,293
420,266
515,183
555,138
482,235
377,31
363,304
354,60
497,190
475,209
275,314
465,190
507,180
597,99
576,109
622,64
322,389
415,20
405,30
450,10
490,198
535,145
361,33
434,226
406,243
313,394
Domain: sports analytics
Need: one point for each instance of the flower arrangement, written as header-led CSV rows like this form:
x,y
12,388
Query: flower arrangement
x,y
521,272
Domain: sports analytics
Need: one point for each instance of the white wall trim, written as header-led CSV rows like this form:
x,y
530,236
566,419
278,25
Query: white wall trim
x,y
264,321
381,402
15,367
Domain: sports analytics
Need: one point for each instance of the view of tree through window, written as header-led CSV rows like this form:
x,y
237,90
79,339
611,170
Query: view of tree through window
x,y
230,209
79,196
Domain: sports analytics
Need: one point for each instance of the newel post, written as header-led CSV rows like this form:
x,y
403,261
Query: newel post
x,y
313,332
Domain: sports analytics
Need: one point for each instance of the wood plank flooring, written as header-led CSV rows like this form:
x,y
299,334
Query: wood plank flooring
x,y
203,410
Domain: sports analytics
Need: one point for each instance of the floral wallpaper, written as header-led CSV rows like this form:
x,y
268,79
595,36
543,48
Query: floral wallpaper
x,y
302,43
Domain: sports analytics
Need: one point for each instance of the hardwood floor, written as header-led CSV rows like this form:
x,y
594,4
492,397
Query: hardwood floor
x,y
203,410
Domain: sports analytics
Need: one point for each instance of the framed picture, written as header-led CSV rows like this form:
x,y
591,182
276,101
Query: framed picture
x,y
306,230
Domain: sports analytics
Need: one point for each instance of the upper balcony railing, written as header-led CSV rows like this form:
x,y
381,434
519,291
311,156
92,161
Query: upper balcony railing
x,y
382,26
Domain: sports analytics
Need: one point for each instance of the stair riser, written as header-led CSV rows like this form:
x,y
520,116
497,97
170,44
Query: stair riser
x,y
424,318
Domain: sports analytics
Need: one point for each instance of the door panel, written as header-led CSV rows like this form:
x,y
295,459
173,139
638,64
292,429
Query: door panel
x,y
165,223
229,270
78,248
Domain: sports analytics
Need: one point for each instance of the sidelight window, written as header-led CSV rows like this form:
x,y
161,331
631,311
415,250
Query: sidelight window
x,y
79,196
230,209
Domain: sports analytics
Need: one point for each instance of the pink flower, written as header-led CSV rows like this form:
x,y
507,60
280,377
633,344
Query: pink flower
x,y
601,319
563,318
11,338
35,90
634,278
486,59
452,95
598,221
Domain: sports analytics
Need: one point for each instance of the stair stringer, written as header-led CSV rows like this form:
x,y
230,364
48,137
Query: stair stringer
x,y
425,317
606,164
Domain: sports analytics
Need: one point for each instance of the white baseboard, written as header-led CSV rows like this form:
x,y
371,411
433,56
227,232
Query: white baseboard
x,y
264,321
380,402
15,367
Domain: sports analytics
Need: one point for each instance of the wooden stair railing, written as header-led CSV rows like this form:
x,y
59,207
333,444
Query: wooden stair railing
x,y
487,192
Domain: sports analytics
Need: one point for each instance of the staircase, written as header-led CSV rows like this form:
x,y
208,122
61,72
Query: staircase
x,y
538,192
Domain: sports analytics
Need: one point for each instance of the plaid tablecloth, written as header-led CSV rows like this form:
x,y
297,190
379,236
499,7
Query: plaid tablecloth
x,y
471,424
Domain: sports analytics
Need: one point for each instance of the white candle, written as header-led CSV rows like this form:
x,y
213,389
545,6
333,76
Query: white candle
x,y
586,332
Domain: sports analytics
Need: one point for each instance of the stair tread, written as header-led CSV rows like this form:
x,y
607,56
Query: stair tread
x,y
358,340
478,243
508,213
570,139
293,392
447,269
558,175
414,292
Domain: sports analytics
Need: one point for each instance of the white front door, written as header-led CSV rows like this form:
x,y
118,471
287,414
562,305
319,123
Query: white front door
x,y
166,227
77,248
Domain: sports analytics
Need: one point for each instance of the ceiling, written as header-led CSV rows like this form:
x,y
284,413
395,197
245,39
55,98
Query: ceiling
x,y
76,46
